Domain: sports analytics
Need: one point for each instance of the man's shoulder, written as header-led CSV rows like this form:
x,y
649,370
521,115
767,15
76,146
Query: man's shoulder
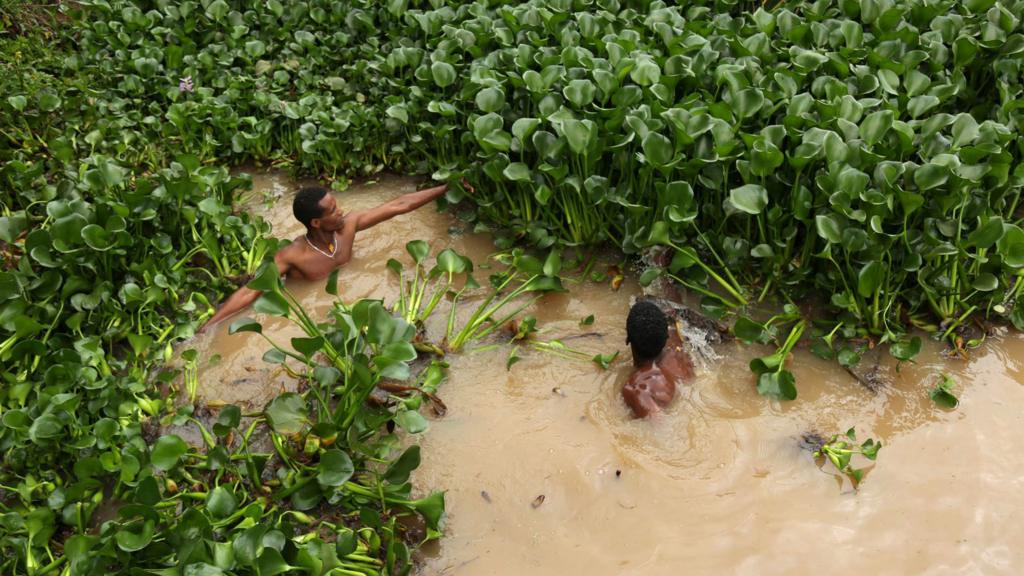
x,y
290,249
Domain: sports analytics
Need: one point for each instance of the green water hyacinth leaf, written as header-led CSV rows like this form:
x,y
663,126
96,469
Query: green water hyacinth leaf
x,y
965,130
931,176
412,422
97,238
987,234
750,331
431,509
266,278
167,452
517,172
286,414
228,419
985,282
308,346
646,72
399,470
490,99
874,127
580,92
780,385
245,325
335,468
828,228
1011,246
451,262
255,48
918,105
579,134
221,502
137,538
272,303
418,249
45,427
17,102
750,198
48,101
398,112
748,102
942,393
523,128
443,74
870,278
906,350
657,149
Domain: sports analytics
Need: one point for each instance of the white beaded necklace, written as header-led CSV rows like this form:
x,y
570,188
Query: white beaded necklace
x,y
333,245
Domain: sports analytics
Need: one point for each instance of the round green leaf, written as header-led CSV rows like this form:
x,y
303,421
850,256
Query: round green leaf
x,y
45,427
828,228
580,92
985,282
266,278
780,385
418,249
133,541
875,126
646,72
750,198
657,149
167,451
443,73
748,102
490,99
579,134
286,414
245,325
221,502
272,303
335,468
517,172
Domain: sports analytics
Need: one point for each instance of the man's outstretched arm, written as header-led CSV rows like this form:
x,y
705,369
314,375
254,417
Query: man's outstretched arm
x,y
242,298
401,205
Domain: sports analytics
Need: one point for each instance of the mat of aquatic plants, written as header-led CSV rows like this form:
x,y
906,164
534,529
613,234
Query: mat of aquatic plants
x,y
864,155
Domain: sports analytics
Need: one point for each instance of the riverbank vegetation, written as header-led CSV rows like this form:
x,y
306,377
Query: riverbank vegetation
x,y
861,155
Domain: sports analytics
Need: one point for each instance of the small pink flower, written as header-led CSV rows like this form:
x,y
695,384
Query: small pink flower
x,y
185,85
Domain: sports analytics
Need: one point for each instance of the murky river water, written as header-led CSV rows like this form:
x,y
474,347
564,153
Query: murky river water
x,y
718,485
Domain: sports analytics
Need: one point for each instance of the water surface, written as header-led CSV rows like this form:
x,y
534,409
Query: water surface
x,y
718,485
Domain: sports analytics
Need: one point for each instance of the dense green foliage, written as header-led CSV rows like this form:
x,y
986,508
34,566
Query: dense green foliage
x,y
865,153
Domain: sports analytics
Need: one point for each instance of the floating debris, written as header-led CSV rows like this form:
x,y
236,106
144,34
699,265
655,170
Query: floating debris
x,y
537,501
485,496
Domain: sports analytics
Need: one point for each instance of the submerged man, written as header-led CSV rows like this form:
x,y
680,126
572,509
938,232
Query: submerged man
x,y
658,357
327,243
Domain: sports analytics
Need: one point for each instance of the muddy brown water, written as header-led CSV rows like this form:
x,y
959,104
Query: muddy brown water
x,y
717,485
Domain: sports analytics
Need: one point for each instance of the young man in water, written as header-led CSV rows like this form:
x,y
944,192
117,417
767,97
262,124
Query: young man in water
x,y
327,243
658,358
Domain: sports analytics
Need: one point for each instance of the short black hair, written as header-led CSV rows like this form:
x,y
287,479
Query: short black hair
x,y
646,330
306,205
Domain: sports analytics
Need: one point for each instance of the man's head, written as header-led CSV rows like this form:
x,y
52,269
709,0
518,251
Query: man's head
x,y
317,209
646,331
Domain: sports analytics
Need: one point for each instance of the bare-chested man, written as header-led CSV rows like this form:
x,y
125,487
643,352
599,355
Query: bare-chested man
x,y
327,243
658,357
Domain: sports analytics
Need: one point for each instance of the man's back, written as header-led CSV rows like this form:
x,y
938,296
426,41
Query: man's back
x,y
653,385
